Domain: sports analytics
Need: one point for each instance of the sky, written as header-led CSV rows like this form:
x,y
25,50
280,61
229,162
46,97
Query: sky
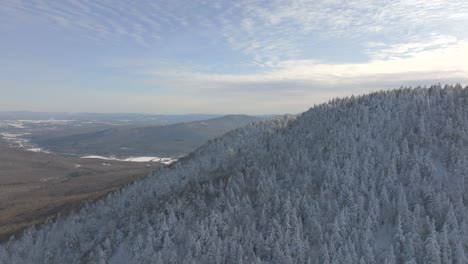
x,y
222,56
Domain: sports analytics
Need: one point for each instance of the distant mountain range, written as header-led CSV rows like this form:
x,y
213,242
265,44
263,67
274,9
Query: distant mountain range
x,y
128,119
164,140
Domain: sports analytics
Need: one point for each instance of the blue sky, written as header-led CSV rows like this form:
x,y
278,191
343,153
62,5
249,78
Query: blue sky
x,y
218,56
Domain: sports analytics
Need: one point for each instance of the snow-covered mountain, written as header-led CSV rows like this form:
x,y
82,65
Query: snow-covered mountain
x,y
379,178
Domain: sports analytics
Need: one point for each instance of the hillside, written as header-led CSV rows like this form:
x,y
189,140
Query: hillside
x,y
379,178
163,141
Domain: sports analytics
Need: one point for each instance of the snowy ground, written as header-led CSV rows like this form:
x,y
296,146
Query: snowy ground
x,y
17,140
135,159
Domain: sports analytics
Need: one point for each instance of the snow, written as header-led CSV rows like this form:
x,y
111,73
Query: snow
x,y
15,140
35,150
16,125
141,159
46,121
166,161
12,136
46,179
97,157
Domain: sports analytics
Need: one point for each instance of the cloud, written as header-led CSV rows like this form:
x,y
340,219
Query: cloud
x,y
140,21
401,50
351,17
447,62
285,46
268,31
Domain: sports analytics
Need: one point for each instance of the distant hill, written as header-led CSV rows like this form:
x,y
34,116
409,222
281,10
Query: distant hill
x,y
131,118
164,141
80,120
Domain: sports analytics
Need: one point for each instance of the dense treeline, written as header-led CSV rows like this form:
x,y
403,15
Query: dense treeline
x,y
379,178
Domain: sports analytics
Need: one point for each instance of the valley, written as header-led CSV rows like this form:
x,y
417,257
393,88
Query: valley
x,y
123,142
52,166
35,186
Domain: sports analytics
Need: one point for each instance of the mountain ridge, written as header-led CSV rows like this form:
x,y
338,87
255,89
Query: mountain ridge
x,y
165,141
378,178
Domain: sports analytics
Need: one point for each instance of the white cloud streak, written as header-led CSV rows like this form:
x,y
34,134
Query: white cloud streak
x,y
297,84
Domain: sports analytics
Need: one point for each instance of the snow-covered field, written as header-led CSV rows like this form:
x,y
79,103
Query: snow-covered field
x,y
24,123
134,159
17,140
46,121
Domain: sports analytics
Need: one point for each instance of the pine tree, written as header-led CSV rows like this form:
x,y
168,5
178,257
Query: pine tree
x,y
431,247
446,252
390,259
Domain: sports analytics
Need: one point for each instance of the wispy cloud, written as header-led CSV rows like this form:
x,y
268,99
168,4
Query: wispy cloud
x,y
140,21
265,30
424,66
286,29
404,50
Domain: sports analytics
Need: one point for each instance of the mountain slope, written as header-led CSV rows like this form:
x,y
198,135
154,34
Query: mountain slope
x,y
379,178
164,141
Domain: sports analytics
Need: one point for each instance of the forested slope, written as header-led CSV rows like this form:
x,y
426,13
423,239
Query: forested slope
x,y
379,178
